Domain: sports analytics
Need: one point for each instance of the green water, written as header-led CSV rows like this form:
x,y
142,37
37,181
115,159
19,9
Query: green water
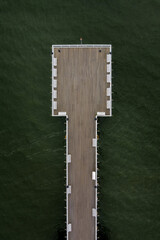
x,y
32,142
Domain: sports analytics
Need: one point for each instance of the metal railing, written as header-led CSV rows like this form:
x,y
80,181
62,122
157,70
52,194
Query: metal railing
x,y
82,46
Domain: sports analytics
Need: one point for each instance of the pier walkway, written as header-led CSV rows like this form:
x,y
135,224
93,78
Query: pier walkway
x,y
81,91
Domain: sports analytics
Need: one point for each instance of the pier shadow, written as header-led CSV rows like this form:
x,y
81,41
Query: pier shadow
x,y
61,233
104,233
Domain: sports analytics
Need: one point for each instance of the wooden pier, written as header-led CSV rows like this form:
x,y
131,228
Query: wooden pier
x,y
81,91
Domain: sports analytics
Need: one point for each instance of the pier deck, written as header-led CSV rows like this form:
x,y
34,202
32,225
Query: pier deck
x,y
81,93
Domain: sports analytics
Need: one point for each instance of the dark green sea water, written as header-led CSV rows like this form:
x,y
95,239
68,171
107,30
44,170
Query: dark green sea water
x,y
32,142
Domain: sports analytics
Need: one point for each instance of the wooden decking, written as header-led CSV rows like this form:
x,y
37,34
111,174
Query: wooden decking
x,y
81,93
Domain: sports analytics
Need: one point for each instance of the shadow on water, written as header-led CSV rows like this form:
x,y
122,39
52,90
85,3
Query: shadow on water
x,y
61,234
103,233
